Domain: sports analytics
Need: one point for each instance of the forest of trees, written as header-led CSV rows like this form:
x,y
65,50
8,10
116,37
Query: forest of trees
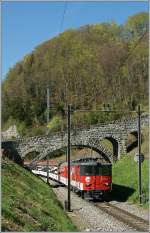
x,y
93,66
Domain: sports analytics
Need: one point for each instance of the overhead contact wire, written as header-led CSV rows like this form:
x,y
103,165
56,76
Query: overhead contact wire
x,y
63,17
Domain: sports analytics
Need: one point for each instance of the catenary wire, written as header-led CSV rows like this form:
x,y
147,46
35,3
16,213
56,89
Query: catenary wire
x,y
63,17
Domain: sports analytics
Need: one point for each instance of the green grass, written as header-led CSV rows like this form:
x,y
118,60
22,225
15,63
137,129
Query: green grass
x,y
29,204
125,176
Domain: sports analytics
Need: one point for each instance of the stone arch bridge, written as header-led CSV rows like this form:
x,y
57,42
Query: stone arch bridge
x,y
116,133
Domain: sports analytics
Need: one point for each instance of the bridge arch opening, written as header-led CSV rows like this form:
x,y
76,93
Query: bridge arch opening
x,y
29,156
52,154
132,141
100,154
77,152
112,145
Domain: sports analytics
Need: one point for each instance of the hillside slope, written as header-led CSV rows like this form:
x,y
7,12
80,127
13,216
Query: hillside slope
x,y
29,204
89,68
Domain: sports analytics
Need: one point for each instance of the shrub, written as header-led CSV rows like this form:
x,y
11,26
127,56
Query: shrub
x,y
22,128
55,124
37,131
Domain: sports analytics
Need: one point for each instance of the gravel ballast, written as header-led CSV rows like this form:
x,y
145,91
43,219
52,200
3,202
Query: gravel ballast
x,y
88,217
94,219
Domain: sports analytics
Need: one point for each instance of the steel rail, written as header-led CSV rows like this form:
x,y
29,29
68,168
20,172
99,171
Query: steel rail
x,y
124,216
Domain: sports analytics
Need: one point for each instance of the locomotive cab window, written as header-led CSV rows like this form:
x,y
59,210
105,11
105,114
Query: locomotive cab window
x,y
86,170
95,170
89,170
106,170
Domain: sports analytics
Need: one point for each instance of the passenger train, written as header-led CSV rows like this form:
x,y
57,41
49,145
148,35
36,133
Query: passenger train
x,y
88,176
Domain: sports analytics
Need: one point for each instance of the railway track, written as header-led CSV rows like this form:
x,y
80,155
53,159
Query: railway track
x,y
133,221
124,216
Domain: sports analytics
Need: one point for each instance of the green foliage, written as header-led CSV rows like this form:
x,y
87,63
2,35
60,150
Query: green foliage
x,y
85,118
80,68
36,131
22,128
137,23
94,117
55,124
8,123
29,204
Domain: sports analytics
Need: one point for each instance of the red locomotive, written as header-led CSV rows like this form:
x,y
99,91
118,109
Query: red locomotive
x,y
89,177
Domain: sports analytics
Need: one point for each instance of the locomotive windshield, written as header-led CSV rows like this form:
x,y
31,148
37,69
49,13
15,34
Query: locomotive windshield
x,y
95,170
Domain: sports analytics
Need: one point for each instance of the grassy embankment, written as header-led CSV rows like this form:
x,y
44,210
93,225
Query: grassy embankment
x,y
29,204
125,176
125,181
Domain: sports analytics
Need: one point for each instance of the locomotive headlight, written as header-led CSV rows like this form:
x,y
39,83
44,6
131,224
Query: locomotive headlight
x,y
107,184
87,179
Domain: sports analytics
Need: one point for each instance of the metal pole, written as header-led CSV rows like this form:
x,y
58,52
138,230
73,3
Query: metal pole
x,y
68,156
47,106
139,152
47,170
